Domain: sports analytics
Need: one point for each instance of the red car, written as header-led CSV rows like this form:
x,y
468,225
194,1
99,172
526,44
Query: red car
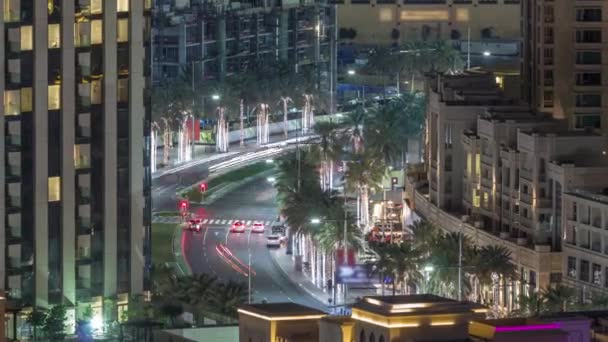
x,y
237,227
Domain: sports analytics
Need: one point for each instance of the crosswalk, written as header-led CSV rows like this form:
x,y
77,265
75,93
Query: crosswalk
x,y
213,221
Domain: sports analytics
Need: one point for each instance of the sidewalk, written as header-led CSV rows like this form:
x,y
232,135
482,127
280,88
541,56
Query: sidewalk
x,y
286,265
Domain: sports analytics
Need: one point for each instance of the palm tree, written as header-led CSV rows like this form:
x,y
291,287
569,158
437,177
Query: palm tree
x,y
400,261
227,296
444,259
425,233
531,305
354,124
558,298
490,263
364,173
201,288
172,309
330,149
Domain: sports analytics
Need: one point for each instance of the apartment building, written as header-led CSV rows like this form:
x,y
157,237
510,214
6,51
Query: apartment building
x,y
75,183
453,104
563,44
395,21
218,41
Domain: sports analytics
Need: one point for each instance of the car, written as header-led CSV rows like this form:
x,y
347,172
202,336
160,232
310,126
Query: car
x,y
257,227
273,241
194,224
237,227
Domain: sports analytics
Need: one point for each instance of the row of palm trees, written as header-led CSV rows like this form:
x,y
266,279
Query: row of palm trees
x,y
201,294
429,262
366,141
263,91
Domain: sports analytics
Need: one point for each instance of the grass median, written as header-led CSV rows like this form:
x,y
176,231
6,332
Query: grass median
x,y
194,193
162,237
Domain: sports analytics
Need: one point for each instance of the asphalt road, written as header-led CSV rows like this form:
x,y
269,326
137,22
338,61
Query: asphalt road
x,y
216,251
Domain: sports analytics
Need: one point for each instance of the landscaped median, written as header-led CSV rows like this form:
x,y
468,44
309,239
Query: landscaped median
x,y
167,257
219,185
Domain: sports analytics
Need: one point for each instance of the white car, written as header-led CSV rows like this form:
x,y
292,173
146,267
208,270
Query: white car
x,y
257,227
195,225
273,241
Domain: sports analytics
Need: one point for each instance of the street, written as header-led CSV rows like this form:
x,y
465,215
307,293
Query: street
x,y
205,253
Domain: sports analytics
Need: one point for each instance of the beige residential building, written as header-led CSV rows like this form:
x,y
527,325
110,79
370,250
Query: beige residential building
x,y
375,20
74,192
453,104
563,60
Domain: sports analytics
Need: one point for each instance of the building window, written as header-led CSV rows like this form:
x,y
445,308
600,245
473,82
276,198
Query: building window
x,y
26,38
548,35
548,78
123,90
82,34
548,98
96,32
54,189
96,6
122,5
588,78
589,36
96,92
54,97
54,36
584,271
571,272
26,100
582,121
122,30
12,10
12,102
589,57
596,273
589,14
605,276
588,100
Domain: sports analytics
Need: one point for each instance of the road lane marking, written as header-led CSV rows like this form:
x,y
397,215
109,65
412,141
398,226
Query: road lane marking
x,y
224,221
230,221
205,221
248,222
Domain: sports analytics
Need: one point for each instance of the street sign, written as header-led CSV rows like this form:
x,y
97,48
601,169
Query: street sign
x,y
357,274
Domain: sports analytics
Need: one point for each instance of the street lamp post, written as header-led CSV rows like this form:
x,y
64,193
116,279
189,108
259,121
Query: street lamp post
x,y
249,267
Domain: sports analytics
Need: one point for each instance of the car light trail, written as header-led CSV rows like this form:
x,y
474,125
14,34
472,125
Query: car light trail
x,y
235,258
229,262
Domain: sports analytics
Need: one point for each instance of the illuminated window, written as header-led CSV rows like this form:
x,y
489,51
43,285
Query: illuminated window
x,y
96,92
54,36
54,189
54,97
122,5
147,4
96,6
81,156
122,30
26,38
82,34
12,9
96,32
123,90
26,99
477,164
12,102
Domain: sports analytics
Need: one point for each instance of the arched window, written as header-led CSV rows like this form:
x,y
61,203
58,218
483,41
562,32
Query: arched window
x,y
381,339
362,336
372,338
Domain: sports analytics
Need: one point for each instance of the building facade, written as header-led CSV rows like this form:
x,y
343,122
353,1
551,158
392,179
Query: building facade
x,y
395,21
215,41
75,187
563,68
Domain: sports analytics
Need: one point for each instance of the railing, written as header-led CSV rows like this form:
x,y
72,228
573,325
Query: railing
x,y
13,140
525,174
526,198
82,162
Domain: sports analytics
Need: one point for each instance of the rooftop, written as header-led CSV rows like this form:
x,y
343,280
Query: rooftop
x,y
280,311
424,304
515,113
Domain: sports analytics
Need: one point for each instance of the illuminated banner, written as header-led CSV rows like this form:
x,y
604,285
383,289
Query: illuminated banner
x,y
350,258
357,274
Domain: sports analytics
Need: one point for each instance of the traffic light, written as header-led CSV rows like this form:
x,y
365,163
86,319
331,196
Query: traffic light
x,y
203,187
183,205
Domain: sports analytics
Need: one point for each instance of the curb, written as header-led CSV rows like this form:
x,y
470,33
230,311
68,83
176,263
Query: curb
x,y
180,260
298,286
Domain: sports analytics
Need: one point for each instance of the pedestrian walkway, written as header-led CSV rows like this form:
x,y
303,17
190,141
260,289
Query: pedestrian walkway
x,y
286,265
212,221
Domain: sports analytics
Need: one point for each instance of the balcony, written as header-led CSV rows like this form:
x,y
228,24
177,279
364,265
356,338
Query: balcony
x,y
525,174
14,263
14,293
13,173
83,132
525,198
543,202
14,78
84,254
523,222
486,183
